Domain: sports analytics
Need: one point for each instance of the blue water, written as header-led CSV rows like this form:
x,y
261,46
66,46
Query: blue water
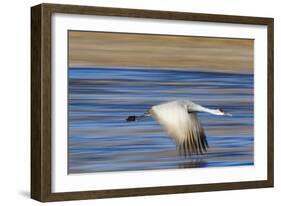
x,y
100,99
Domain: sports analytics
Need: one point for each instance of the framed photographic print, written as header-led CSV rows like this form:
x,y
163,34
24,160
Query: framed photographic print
x,y
132,102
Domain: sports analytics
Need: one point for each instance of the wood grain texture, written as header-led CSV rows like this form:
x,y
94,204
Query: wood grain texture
x,y
36,153
156,190
108,11
40,103
46,102
41,176
270,102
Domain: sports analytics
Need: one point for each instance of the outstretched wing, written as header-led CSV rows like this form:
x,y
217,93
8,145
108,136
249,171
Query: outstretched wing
x,y
183,127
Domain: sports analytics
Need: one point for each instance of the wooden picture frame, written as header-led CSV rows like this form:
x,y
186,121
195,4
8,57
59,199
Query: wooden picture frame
x,y
41,98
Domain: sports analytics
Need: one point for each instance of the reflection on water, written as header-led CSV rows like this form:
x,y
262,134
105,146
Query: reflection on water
x,y
100,100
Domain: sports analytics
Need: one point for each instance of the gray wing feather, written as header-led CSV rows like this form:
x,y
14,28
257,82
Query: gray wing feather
x,y
182,126
195,141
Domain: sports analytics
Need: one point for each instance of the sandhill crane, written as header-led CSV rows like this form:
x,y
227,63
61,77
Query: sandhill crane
x,y
180,121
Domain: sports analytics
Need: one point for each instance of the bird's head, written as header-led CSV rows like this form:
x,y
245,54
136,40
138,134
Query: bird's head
x,y
222,112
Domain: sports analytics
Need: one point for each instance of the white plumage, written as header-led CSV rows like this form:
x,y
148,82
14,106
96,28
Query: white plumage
x,y
180,121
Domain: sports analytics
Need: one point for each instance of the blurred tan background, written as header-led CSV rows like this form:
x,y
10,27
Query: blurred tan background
x,y
88,49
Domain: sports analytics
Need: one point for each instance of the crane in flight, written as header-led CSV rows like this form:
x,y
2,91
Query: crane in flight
x,y
179,119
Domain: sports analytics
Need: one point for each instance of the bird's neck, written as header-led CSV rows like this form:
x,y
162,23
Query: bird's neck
x,y
211,111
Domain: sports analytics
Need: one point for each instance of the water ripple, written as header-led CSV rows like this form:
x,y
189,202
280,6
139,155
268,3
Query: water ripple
x,y
100,100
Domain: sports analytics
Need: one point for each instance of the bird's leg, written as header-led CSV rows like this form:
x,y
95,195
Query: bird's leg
x,y
137,118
